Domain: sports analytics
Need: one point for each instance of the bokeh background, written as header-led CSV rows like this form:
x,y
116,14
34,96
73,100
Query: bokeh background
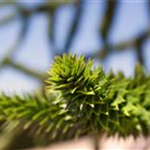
x,y
115,33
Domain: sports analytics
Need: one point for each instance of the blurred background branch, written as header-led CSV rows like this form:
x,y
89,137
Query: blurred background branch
x,y
49,8
108,18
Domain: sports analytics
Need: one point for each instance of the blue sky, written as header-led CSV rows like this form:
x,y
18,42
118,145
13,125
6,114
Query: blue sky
x,y
131,19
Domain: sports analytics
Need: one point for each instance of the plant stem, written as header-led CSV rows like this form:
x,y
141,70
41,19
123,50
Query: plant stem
x,y
96,141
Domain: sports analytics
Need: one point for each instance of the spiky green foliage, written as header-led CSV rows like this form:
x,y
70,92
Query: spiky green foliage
x,y
81,100
36,114
107,103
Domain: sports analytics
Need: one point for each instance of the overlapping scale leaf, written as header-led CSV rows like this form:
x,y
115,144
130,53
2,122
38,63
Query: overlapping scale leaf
x,y
108,103
82,100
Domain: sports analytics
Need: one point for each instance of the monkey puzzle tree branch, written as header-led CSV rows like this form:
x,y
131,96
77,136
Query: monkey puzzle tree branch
x,y
80,101
39,116
98,97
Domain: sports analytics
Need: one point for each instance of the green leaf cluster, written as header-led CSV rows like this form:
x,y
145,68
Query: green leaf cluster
x,y
107,103
81,100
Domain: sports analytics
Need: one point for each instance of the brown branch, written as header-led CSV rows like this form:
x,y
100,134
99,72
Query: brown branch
x,y
96,141
139,52
24,69
51,6
51,29
108,18
119,47
8,19
74,27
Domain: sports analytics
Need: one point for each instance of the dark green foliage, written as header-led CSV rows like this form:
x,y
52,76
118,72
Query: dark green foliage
x,y
82,100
